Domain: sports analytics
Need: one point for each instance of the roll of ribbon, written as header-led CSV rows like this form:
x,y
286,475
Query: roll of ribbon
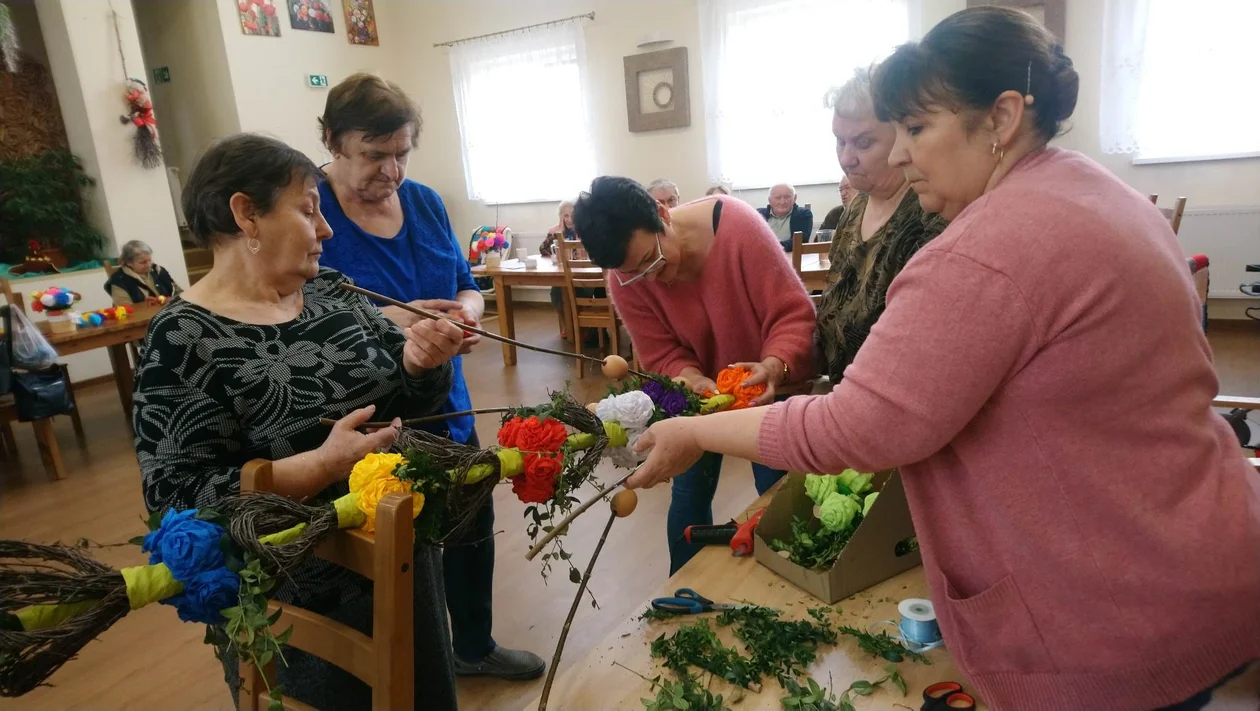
x,y
918,622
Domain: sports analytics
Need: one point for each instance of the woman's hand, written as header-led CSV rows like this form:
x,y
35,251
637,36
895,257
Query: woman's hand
x,y
696,382
346,445
768,372
469,316
674,450
430,344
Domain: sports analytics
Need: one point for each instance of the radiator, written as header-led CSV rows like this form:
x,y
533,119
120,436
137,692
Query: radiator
x,y
1230,237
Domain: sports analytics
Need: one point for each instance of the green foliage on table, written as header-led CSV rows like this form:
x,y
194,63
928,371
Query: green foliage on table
x,y
815,550
685,694
813,697
881,645
41,200
778,647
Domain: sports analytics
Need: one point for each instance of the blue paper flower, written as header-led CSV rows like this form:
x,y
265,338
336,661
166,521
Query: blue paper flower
x,y
205,595
186,545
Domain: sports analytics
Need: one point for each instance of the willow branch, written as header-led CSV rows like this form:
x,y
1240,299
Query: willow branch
x,y
329,422
568,622
564,524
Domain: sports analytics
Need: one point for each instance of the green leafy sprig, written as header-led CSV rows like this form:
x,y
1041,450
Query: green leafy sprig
x,y
884,646
815,550
812,697
778,647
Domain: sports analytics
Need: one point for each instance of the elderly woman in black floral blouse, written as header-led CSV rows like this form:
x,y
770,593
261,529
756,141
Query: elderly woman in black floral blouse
x,y
880,230
247,360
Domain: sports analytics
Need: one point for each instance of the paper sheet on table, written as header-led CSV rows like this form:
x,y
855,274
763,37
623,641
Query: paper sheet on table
x,y
511,264
810,261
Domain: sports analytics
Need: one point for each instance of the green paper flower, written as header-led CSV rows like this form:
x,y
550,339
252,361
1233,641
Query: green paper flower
x,y
870,501
818,486
838,510
856,482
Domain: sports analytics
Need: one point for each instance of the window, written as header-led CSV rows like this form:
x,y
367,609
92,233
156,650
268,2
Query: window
x,y
1178,79
767,66
522,115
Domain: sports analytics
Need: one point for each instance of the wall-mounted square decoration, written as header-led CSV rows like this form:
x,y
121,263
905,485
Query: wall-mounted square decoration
x,y
1050,13
310,15
657,92
361,22
258,17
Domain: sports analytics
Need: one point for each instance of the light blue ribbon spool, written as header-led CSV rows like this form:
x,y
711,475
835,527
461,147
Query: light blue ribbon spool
x,y
919,630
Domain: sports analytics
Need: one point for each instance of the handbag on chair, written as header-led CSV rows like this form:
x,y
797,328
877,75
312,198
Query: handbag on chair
x,y
38,393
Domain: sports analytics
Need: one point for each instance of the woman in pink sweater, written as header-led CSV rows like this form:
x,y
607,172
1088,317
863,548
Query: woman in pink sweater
x,y
701,286
1089,528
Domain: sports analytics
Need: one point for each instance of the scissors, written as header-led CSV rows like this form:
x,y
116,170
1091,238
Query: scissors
x,y
689,602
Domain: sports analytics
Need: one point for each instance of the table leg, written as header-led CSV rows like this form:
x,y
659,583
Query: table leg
x,y
123,377
48,449
507,323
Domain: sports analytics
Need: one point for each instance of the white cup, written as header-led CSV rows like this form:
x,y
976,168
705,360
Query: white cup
x,y
522,253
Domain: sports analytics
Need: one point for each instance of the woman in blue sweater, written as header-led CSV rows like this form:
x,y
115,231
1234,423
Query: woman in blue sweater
x,y
392,235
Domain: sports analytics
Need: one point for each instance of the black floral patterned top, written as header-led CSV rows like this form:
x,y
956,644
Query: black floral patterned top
x,y
861,273
213,393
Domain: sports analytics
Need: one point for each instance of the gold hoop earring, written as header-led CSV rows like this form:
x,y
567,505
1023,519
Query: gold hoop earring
x,y
997,150
253,245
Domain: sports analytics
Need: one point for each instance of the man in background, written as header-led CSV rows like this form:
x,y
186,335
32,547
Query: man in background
x,y
786,217
846,194
665,192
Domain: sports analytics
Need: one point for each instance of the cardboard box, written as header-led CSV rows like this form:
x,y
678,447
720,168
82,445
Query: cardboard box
x,y
871,554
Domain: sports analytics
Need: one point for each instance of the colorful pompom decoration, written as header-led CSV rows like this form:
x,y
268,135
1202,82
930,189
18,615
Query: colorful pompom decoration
x,y
54,300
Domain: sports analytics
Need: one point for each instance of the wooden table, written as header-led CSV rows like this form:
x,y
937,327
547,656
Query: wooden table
x,y
594,682
548,273
114,336
814,274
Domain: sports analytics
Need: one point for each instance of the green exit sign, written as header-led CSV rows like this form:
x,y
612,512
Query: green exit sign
x,y
317,79
162,75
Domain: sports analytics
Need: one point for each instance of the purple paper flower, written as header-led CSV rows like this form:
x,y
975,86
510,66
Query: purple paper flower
x,y
654,390
673,403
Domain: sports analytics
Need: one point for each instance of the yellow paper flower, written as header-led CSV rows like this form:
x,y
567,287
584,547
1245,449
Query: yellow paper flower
x,y
371,467
376,489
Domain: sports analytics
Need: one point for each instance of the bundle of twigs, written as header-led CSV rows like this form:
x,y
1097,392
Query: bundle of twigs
x,y
34,574
255,515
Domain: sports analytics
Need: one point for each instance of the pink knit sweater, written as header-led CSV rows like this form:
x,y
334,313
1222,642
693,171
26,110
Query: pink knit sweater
x,y
747,305
1090,531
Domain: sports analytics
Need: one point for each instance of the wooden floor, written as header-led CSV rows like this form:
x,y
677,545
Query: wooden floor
x,y
151,661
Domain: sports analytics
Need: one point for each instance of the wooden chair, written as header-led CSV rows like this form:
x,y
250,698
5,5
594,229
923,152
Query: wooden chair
x,y
1172,214
587,312
800,248
45,436
386,660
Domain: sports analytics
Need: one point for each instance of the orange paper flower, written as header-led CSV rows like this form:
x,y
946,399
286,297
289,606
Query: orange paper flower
x,y
730,382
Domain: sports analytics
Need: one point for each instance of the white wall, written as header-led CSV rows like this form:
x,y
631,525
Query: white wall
x,y
269,73
1229,182
197,105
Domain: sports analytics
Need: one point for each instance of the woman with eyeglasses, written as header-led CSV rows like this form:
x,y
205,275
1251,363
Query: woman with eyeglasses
x,y
700,286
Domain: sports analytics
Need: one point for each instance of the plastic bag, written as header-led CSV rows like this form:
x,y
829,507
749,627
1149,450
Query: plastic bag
x,y
29,349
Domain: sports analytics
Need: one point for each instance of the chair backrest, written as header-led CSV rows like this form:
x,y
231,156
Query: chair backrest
x,y
1172,214
800,248
12,297
586,310
386,660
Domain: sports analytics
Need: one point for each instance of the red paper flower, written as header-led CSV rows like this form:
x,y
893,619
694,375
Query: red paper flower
x,y
509,431
538,483
541,435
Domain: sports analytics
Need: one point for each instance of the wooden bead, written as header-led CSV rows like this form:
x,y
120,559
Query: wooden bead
x,y
624,502
615,367
592,407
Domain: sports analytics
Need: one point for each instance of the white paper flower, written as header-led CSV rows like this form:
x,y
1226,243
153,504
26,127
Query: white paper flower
x,y
631,410
625,457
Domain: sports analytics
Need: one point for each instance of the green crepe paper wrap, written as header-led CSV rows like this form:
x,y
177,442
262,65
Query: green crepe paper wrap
x,y
511,463
717,403
288,535
870,501
146,584
617,437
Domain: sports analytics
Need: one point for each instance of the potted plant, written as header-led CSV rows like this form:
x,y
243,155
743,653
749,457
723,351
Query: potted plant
x,y
41,202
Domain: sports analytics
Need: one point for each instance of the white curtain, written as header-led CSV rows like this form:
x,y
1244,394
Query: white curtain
x,y
767,65
523,120
1177,77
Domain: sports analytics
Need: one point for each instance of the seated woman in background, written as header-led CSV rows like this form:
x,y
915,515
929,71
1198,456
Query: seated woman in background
x,y
564,228
1090,530
700,287
210,396
138,278
881,229
717,190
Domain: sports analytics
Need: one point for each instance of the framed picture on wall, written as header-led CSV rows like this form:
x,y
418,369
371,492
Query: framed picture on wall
x,y
258,17
361,22
1050,13
312,15
657,92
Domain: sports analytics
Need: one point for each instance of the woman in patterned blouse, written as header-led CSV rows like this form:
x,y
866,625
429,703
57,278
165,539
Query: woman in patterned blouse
x,y
880,230
247,360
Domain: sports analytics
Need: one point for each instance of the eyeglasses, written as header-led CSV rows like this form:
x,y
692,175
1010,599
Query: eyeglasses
x,y
654,266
